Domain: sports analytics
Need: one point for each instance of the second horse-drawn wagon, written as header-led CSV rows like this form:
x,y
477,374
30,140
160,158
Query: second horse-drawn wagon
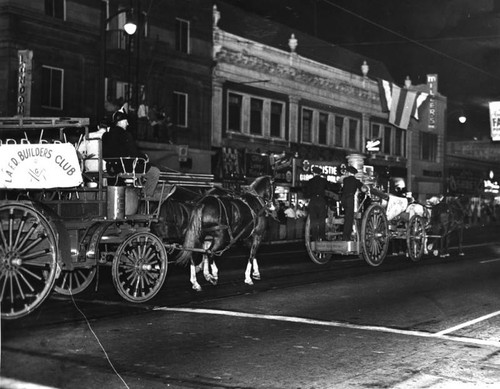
x,y
379,219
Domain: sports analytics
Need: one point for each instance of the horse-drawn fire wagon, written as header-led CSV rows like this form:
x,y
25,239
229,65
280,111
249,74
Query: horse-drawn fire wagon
x,y
379,218
61,217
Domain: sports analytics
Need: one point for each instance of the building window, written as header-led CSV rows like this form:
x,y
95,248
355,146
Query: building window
x,y
339,131
387,140
428,146
353,140
234,112
322,128
276,119
392,140
253,115
307,116
52,87
399,142
256,116
180,109
182,35
55,9
376,132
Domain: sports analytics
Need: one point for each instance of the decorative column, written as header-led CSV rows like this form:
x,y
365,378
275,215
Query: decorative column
x,y
293,120
217,109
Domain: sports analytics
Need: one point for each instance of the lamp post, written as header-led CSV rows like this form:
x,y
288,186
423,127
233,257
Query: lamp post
x,y
130,27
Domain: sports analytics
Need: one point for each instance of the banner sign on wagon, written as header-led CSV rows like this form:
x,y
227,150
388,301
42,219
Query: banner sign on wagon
x,y
39,166
495,120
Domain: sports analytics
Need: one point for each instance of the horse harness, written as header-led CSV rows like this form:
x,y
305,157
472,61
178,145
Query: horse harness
x,y
223,211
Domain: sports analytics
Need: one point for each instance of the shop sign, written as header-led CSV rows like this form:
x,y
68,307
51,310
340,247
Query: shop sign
x,y
491,186
25,65
283,166
432,82
495,120
373,145
257,165
465,181
331,172
232,167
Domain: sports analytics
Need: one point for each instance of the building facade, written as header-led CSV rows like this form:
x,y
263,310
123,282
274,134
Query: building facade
x,y
275,93
214,90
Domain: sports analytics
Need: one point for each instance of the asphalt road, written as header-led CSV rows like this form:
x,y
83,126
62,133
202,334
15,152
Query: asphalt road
x,y
431,324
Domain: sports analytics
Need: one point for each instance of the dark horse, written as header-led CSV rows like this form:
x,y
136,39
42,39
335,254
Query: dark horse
x,y
222,218
448,216
174,215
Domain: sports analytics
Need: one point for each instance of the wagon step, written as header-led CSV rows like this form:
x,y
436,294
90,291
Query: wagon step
x,y
336,246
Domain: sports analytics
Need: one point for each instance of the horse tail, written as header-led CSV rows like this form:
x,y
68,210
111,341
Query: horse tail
x,y
193,234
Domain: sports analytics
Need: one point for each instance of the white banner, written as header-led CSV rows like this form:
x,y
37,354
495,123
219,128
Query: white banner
x,y
39,166
495,120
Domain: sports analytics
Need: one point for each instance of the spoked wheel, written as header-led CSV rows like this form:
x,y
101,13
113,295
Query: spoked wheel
x,y
75,281
416,237
28,255
140,267
374,235
318,257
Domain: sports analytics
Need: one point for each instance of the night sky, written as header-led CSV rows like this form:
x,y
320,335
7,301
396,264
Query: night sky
x,y
457,39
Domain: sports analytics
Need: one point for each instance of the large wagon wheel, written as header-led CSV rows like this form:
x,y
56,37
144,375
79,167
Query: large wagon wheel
x,y
72,282
374,235
318,257
140,267
415,237
28,255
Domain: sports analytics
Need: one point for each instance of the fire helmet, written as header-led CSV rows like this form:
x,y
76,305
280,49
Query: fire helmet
x,y
119,115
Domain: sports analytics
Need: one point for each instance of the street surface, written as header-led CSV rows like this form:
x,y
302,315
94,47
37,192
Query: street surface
x,y
431,324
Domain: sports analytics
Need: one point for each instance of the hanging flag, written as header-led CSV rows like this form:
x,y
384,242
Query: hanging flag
x,y
402,104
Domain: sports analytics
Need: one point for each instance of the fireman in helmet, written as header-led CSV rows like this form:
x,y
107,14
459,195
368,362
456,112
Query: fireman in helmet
x,y
117,143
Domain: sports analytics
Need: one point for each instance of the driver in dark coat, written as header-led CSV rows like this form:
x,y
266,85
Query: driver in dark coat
x,y
118,142
315,190
350,185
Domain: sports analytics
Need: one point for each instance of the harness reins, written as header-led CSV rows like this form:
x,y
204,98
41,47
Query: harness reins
x,y
224,211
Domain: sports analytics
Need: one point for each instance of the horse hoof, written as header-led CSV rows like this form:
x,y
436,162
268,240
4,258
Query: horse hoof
x,y
256,277
249,282
435,252
197,288
213,280
461,254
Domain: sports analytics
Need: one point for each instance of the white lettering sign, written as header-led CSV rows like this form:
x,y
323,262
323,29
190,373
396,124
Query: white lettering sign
x,y
495,120
39,166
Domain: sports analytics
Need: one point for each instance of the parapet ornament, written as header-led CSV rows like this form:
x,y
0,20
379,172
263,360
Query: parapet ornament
x,y
247,61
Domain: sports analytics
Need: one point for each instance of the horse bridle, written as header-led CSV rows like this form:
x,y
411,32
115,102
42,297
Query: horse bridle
x,y
264,202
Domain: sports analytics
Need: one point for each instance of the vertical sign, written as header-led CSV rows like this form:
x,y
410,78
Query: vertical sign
x,y
495,120
25,66
432,82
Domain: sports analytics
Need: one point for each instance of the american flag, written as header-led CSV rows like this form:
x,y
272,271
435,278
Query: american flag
x,y
402,104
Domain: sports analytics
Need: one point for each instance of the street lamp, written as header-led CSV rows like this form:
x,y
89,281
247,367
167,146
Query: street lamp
x,y
130,28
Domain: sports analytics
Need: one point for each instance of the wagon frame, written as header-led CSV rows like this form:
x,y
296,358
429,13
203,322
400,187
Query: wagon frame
x,y
373,230
56,238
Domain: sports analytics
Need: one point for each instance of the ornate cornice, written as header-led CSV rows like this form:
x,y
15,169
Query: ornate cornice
x,y
284,71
